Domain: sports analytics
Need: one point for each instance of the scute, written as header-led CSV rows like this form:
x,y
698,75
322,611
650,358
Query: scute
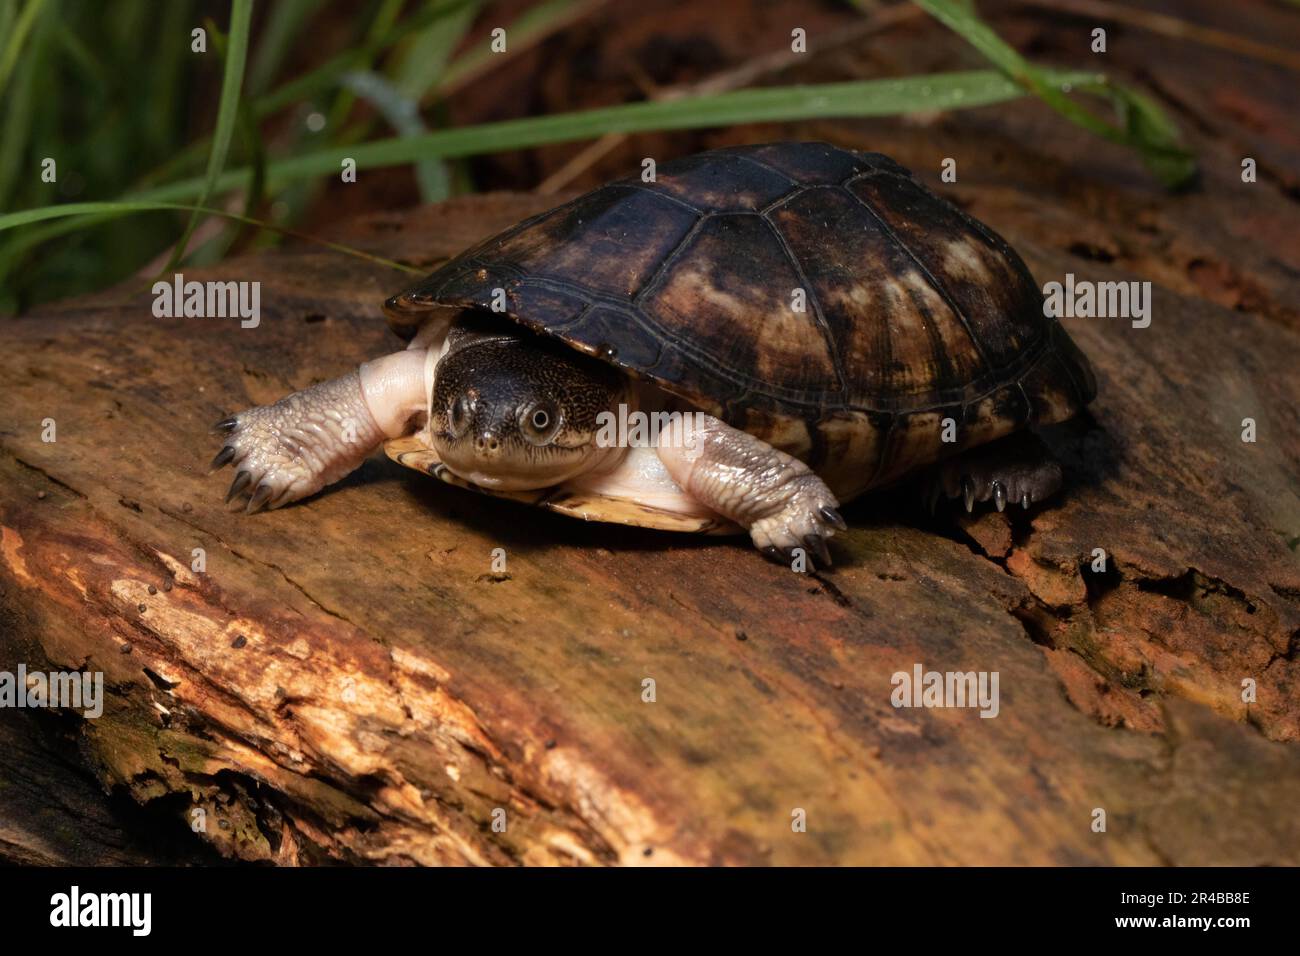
x,y
615,241
710,182
706,304
988,288
912,311
811,164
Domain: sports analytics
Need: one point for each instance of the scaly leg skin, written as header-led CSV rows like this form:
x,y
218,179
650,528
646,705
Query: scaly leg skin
x,y
310,439
1017,469
773,495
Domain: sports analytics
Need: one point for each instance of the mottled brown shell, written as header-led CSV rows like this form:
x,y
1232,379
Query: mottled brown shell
x,y
817,297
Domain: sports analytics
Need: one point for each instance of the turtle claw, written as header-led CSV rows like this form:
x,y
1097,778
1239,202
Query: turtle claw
x,y
834,517
261,496
812,550
817,545
801,525
242,480
782,556
224,457
998,474
226,425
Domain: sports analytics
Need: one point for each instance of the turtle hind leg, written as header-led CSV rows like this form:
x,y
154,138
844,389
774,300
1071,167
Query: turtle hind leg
x,y
1016,470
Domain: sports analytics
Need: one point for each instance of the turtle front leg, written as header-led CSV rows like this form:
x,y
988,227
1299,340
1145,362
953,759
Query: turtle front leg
x,y
776,497
1017,469
310,439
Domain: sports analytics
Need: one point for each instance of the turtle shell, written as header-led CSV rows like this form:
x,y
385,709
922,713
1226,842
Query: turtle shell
x,y
817,297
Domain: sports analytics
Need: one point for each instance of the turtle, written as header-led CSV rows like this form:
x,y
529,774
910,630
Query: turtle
x,y
785,325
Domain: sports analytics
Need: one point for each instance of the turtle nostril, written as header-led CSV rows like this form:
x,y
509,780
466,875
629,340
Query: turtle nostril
x,y
487,444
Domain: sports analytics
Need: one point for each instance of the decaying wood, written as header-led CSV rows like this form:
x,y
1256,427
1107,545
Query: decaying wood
x,y
54,813
349,678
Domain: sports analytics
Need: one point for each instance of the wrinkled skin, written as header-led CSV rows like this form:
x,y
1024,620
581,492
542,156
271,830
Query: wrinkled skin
x,y
512,411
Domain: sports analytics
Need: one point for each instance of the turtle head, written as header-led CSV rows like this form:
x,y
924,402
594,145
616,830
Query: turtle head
x,y
513,411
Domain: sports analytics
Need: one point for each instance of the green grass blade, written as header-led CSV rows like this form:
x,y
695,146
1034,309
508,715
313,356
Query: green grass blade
x,y
217,247
283,27
17,128
937,91
837,100
103,211
81,57
9,55
1147,130
241,14
8,14
420,63
422,60
327,75
403,114
162,87
344,99
530,28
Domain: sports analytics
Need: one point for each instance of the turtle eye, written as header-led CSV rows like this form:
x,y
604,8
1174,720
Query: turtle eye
x,y
539,423
458,416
